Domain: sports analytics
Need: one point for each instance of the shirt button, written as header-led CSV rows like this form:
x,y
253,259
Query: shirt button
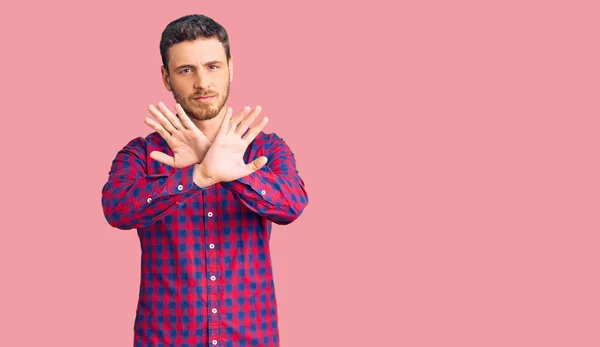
x,y
211,246
214,310
263,192
212,278
149,199
180,187
210,214
214,342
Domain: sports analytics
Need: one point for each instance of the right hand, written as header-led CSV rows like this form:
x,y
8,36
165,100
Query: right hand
x,y
188,143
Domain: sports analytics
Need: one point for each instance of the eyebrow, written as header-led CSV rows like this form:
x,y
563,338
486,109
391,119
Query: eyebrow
x,y
214,62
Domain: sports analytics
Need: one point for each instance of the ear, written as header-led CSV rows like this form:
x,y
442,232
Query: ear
x,y
230,69
165,78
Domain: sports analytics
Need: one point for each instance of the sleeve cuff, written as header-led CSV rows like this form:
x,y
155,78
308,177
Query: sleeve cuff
x,y
252,181
182,181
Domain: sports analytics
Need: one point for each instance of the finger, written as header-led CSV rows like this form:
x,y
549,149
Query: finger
x,y
223,128
161,119
185,119
159,128
170,116
253,132
163,158
245,123
187,122
257,163
235,120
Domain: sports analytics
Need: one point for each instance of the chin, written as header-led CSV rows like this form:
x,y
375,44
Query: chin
x,y
206,115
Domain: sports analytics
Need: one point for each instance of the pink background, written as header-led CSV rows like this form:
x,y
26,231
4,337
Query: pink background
x,y
449,150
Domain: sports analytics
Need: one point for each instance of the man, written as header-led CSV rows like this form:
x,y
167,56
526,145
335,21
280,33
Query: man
x,y
203,216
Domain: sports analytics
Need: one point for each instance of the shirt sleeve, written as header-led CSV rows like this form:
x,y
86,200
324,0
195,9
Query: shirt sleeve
x,y
276,191
133,199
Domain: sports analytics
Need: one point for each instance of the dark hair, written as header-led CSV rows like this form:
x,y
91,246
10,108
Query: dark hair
x,y
190,28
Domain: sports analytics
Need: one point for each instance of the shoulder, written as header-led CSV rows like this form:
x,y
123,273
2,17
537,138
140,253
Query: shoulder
x,y
155,140
142,144
135,145
149,143
268,141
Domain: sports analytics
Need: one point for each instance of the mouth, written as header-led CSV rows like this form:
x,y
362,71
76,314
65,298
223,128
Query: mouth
x,y
204,98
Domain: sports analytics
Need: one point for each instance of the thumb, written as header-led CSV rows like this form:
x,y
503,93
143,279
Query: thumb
x,y
163,158
257,163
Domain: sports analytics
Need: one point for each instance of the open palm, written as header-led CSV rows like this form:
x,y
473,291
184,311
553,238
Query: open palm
x,y
224,160
187,142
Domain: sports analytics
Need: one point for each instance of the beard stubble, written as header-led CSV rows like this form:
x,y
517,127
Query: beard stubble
x,y
201,111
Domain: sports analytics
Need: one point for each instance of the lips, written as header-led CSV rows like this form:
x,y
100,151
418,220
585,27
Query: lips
x,y
203,97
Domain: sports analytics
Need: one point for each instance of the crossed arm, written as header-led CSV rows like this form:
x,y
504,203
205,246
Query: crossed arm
x,y
133,199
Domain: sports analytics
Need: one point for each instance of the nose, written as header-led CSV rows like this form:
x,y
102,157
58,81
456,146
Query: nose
x,y
201,80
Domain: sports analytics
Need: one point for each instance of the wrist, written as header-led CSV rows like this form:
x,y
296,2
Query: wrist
x,y
200,178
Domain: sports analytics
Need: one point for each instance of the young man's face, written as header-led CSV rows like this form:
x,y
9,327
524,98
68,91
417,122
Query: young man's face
x,y
196,69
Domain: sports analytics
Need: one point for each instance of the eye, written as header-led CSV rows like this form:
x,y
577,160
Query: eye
x,y
185,70
215,67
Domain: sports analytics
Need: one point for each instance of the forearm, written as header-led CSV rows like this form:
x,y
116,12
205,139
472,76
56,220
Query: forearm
x,y
276,190
279,198
140,203
133,199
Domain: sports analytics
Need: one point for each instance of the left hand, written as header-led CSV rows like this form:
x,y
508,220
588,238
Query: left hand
x,y
224,161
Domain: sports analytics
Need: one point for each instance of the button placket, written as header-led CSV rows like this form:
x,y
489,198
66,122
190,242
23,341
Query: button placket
x,y
213,286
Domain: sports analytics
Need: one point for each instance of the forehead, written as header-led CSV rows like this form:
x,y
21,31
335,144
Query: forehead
x,y
196,52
